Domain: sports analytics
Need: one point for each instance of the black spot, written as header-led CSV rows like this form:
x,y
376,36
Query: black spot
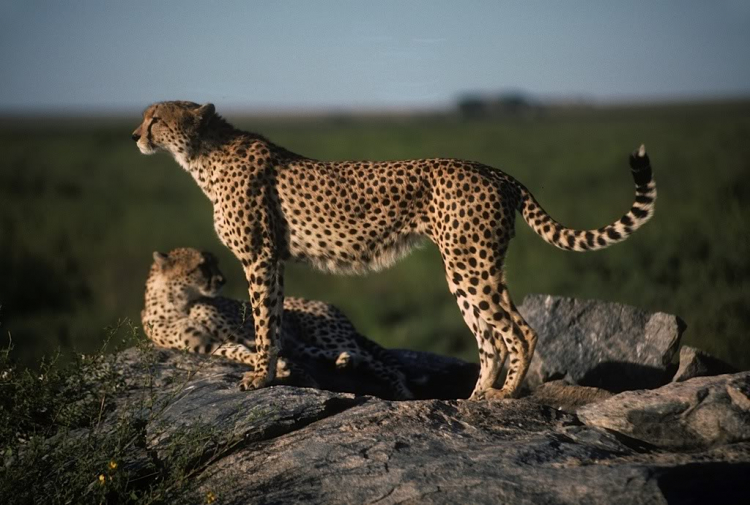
x,y
590,238
613,234
645,199
638,212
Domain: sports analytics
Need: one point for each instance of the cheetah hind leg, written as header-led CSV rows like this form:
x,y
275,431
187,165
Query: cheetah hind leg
x,y
519,336
501,349
288,372
490,361
490,355
493,322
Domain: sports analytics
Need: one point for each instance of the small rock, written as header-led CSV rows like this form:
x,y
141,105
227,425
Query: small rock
x,y
562,395
696,414
605,345
697,363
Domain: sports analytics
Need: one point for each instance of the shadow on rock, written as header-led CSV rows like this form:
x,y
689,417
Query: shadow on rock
x,y
619,376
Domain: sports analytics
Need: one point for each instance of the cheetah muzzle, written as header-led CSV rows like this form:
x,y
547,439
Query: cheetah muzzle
x,y
271,205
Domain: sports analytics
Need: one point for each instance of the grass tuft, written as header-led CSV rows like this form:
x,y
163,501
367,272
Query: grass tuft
x,y
66,436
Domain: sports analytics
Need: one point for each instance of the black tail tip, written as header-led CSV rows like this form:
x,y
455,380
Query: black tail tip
x,y
639,159
640,165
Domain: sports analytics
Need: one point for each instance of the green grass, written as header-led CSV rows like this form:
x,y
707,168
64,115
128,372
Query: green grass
x,y
82,211
67,434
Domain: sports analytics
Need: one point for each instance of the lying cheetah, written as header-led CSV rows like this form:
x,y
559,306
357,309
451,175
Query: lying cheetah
x,y
183,311
271,205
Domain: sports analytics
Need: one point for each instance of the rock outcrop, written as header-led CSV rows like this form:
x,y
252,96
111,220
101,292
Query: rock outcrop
x,y
566,442
606,345
699,413
697,363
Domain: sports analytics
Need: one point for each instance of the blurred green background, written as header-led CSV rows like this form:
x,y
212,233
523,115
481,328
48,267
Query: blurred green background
x,y
81,211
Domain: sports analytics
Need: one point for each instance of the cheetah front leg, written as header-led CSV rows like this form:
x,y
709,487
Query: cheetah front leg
x,y
266,299
195,336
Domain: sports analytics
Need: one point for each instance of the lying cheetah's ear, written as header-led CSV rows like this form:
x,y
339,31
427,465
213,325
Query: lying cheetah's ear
x,y
204,113
160,258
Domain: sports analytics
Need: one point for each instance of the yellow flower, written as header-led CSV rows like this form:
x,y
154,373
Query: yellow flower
x,y
210,497
102,479
113,465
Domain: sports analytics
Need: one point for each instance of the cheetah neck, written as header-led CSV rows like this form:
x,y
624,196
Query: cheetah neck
x,y
167,302
201,171
205,158
200,159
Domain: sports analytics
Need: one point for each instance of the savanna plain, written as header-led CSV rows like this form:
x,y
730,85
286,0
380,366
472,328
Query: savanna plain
x,y
81,211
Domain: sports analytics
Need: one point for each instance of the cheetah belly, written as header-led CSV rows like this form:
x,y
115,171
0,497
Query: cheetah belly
x,y
352,256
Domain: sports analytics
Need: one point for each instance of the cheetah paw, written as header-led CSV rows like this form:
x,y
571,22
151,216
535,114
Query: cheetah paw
x,y
498,394
344,360
491,395
251,380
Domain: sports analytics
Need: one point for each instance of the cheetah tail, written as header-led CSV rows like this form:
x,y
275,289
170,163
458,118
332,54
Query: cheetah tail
x,y
556,234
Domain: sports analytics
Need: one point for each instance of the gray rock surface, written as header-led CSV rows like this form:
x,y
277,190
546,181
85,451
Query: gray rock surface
x,y
605,345
696,414
562,395
292,445
429,376
697,363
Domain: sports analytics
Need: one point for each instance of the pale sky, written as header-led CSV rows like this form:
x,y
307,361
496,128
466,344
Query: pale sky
x,y
106,55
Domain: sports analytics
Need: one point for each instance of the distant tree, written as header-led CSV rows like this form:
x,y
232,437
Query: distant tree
x,y
512,103
474,105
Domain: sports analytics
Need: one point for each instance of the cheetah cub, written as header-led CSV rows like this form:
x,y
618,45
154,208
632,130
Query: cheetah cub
x,y
183,311
271,205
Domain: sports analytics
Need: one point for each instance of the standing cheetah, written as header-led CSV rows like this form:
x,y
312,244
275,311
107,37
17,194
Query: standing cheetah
x,y
271,205
183,311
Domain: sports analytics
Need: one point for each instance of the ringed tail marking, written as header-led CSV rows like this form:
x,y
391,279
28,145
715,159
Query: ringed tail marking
x,y
568,239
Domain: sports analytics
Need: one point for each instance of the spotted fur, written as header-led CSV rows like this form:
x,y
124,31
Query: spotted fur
x,y
271,205
183,311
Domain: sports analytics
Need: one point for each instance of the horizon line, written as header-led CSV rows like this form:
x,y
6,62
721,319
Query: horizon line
x,y
557,101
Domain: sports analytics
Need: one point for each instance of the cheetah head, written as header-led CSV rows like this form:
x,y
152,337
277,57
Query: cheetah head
x,y
174,127
187,273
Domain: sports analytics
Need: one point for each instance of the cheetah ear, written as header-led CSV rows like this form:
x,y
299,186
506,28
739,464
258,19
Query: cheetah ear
x,y
160,258
204,113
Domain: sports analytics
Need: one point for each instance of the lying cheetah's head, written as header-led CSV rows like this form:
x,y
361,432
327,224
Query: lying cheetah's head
x,y
172,126
187,273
